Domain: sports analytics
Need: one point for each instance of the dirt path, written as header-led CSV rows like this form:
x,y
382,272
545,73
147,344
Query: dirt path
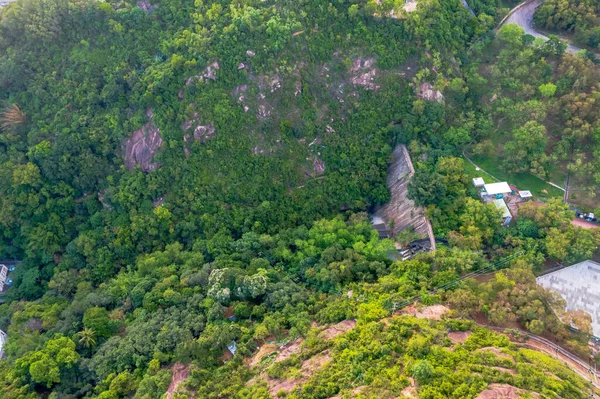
x,y
584,223
180,373
542,344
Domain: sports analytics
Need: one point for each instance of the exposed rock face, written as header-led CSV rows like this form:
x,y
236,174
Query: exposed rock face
x,y
318,167
269,83
363,73
202,133
209,73
144,5
264,110
298,86
428,92
143,144
410,6
401,210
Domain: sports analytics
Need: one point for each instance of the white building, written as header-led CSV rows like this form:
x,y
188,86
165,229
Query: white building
x,y
579,285
478,182
497,188
525,194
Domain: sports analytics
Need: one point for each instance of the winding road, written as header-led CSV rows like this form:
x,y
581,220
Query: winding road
x,y
522,15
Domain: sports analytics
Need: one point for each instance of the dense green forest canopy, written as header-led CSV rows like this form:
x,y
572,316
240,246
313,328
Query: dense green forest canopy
x,y
86,75
178,176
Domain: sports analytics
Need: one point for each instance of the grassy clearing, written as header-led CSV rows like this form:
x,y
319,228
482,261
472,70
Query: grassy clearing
x,y
523,181
472,172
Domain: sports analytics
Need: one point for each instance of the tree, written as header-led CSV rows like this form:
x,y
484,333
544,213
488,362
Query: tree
x,y
580,320
46,365
457,136
512,35
547,90
96,320
44,370
478,222
526,151
422,372
464,301
536,327
439,185
87,337
555,46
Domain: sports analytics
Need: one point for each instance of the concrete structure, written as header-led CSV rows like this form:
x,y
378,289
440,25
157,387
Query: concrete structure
x,y
579,285
478,182
525,195
501,206
3,338
6,267
497,188
401,212
3,276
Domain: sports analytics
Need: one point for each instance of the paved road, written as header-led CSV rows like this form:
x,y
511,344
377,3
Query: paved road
x,y
465,4
523,17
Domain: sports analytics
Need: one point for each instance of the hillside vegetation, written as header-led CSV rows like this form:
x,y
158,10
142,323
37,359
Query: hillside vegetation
x,y
187,183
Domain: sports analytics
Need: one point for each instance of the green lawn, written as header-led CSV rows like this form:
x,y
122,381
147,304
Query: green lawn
x,y
523,181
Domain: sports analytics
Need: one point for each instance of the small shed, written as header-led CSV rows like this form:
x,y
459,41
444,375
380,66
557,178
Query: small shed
x,y
232,347
525,195
502,207
497,188
478,182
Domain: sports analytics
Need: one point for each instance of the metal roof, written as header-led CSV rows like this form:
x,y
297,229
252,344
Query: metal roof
x,y
478,181
579,285
497,188
501,205
525,194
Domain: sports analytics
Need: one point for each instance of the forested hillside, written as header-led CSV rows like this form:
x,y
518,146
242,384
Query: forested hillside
x,y
186,182
79,78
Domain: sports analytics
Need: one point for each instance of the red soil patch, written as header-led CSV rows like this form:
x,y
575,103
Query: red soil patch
x,y
410,391
434,312
337,329
459,336
264,350
290,349
308,368
276,386
584,223
500,391
180,373
313,364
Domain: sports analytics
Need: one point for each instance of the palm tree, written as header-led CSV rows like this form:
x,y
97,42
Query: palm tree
x,y
12,115
86,337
